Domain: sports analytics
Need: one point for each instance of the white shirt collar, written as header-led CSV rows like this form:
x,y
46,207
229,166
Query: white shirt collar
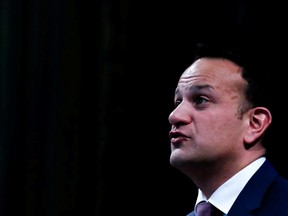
x,y
224,197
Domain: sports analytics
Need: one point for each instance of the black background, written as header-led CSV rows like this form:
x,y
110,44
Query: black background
x,y
86,90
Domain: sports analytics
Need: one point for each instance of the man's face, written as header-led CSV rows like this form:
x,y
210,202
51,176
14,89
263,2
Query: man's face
x,y
206,124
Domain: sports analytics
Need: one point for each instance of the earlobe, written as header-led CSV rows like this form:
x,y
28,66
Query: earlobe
x,y
259,120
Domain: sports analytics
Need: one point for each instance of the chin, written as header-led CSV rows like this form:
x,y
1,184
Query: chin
x,y
177,158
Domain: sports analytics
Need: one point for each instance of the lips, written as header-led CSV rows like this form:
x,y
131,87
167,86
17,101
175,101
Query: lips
x,y
176,134
176,137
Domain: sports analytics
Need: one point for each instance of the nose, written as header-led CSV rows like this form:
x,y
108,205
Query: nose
x,y
180,115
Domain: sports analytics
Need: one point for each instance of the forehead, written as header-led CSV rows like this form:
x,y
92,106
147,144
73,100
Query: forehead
x,y
217,73
212,67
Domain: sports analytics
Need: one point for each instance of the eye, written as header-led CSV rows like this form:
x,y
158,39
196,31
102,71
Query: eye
x,y
201,100
177,102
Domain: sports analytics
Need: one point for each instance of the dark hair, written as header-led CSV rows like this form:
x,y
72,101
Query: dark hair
x,y
255,68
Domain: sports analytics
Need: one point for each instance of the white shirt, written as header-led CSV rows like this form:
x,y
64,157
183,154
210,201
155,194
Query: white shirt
x,y
224,197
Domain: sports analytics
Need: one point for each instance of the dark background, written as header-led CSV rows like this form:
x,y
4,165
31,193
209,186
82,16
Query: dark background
x,y
86,90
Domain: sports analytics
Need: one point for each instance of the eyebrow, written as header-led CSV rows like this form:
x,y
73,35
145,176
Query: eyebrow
x,y
196,88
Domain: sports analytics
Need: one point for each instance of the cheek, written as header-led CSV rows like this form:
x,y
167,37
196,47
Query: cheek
x,y
231,130
223,126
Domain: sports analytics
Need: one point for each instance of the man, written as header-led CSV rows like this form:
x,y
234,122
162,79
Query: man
x,y
217,132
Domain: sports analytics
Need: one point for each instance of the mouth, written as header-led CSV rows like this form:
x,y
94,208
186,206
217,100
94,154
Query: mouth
x,y
175,134
176,137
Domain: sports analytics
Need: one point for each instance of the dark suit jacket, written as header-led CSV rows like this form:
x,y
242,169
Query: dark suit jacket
x,y
266,193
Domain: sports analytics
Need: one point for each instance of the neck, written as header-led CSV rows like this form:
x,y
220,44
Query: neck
x,y
210,176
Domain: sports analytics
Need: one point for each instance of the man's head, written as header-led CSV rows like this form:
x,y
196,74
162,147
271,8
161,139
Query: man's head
x,y
216,123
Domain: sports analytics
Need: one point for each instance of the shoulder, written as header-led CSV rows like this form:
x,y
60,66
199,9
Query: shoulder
x,y
279,187
263,193
191,213
268,179
274,201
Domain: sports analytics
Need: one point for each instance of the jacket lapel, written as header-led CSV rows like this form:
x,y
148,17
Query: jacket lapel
x,y
251,196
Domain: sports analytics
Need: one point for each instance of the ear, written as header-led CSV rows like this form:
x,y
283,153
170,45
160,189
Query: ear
x,y
259,120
